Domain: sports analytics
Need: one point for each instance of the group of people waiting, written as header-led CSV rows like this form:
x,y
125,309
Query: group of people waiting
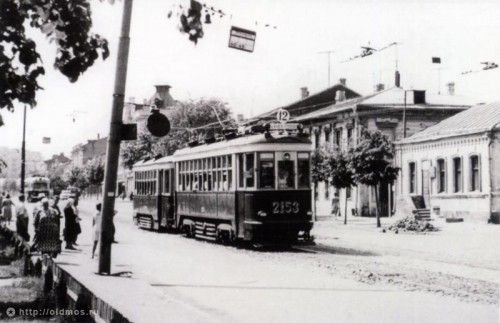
x,y
47,218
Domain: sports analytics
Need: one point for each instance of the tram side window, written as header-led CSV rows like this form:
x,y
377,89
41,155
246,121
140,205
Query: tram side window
x,y
285,174
249,170
241,171
266,166
303,170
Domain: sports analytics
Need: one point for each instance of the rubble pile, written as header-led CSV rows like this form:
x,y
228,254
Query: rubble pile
x,y
410,223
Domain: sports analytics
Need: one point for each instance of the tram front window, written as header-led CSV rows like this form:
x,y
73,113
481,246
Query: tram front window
x,y
285,174
266,174
304,171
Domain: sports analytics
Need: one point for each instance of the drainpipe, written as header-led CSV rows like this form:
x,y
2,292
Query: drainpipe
x,y
491,136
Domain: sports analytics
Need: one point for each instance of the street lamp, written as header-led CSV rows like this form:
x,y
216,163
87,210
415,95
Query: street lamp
x,y
23,153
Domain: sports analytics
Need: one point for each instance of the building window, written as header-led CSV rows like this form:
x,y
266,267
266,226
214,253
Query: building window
x,y
457,174
338,137
441,169
349,137
475,184
348,193
412,177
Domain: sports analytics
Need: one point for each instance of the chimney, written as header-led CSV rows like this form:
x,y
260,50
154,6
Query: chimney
x,y
304,92
163,93
397,79
340,96
379,87
451,88
343,81
240,118
131,100
98,136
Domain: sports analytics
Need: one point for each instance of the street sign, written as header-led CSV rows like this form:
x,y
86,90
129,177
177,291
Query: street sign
x,y
282,115
242,39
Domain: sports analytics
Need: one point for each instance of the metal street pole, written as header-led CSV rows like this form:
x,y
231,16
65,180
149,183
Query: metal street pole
x,y
404,117
328,53
113,147
23,153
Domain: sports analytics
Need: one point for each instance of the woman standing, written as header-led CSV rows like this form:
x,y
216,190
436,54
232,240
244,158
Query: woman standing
x,y
7,209
69,225
96,228
22,219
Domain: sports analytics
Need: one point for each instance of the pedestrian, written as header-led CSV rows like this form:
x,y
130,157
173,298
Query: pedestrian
x,y
22,219
47,236
131,196
69,224
2,196
7,209
57,211
96,227
113,230
78,228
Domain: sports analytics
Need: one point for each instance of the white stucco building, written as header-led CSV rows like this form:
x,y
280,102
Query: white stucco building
x,y
453,168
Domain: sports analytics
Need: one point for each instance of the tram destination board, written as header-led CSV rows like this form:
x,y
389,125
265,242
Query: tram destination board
x,y
242,39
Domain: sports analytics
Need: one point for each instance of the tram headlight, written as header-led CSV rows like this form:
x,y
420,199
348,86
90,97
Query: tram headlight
x,y
261,213
309,213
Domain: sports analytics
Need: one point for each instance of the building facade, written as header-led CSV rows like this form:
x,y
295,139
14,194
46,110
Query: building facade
x,y
453,168
396,112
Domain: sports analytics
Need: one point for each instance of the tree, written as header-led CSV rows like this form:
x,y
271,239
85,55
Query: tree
x,y
66,23
76,177
340,173
94,174
3,165
371,162
57,183
193,119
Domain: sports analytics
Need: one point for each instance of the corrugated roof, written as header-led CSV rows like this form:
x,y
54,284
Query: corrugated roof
x,y
477,119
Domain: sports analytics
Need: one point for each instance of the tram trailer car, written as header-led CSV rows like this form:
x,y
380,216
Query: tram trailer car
x,y
153,194
254,188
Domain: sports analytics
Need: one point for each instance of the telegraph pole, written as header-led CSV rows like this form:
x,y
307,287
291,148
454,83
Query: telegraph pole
x,y
114,138
328,52
23,153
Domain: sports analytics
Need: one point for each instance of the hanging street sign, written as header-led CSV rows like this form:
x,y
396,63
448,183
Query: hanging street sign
x,y
242,39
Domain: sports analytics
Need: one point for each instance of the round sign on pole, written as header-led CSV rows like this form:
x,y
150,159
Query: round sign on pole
x,y
158,124
283,115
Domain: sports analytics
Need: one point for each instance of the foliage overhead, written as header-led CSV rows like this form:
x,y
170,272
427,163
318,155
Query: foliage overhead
x,y
190,120
66,23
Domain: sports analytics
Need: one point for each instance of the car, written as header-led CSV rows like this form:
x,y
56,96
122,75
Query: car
x,y
65,194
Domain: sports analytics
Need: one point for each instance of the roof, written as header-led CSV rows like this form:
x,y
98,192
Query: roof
x,y
392,98
478,119
313,102
243,143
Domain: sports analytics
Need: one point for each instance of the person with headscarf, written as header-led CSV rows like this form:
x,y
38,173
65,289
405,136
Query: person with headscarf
x,y
69,224
7,209
57,211
78,228
47,236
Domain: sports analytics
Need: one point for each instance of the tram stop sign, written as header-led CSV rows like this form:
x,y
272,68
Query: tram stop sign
x,y
158,124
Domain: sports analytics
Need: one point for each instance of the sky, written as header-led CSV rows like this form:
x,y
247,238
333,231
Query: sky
x,y
286,58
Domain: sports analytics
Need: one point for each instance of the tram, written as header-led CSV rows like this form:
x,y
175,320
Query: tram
x,y
253,187
36,187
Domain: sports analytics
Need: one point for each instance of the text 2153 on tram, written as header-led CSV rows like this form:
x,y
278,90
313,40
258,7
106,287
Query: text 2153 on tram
x,y
253,187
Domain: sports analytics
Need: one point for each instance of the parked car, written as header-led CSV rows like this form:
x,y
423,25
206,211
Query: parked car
x,y
65,194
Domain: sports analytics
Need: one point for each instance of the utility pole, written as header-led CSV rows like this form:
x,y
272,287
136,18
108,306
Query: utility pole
x,y
114,138
328,52
404,117
23,153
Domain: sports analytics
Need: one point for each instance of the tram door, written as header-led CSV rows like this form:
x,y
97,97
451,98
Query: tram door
x,y
161,217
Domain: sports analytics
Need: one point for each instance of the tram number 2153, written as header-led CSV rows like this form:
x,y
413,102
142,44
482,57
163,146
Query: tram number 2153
x,y
285,207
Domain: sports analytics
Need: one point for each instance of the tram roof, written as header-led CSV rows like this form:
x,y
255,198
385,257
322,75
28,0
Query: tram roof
x,y
144,164
257,142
